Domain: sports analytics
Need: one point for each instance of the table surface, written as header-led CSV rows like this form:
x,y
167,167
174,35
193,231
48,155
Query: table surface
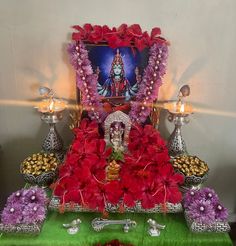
x,y
175,233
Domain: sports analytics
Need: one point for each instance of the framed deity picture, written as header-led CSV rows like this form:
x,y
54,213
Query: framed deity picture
x,y
119,70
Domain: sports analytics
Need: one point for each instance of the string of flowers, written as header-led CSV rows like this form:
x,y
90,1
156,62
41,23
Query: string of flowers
x,y
151,81
87,80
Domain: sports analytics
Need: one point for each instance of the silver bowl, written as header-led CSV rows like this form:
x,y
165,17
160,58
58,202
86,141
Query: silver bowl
x,y
193,180
44,179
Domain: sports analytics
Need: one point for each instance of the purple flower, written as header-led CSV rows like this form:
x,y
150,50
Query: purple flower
x,y
201,211
221,212
16,197
191,196
209,195
25,206
35,195
12,214
33,212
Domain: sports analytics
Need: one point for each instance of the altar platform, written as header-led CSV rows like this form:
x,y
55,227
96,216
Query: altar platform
x,y
175,233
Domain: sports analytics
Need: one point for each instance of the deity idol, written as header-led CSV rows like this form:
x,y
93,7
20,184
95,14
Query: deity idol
x,y
117,85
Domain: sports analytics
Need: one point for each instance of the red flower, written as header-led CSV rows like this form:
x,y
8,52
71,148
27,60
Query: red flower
x,y
149,194
83,32
140,43
97,198
96,35
87,130
66,170
63,185
130,189
147,39
98,163
102,151
170,181
113,192
114,41
124,35
102,193
106,31
147,136
135,30
155,155
71,188
97,169
122,30
156,32
85,151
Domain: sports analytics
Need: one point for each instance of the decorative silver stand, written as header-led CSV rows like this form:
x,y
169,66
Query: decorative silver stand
x,y
53,142
176,144
98,223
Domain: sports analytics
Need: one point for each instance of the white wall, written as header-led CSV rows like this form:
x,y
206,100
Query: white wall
x,y
202,33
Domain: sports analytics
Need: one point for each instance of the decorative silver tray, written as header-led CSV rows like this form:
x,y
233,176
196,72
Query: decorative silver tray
x,y
32,229
217,226
43,179
171,208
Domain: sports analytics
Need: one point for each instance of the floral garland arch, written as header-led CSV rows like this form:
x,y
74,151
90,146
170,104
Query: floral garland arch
x,y
123,36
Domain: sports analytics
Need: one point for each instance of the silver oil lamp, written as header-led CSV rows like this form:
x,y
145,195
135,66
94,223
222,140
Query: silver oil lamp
x,y
51,112
179,112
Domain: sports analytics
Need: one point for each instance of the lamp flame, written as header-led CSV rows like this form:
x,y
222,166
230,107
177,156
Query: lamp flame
x,y
182,108
51,106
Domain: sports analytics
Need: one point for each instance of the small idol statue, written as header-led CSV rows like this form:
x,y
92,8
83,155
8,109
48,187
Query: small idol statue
x,y
117,85
117,126
116,137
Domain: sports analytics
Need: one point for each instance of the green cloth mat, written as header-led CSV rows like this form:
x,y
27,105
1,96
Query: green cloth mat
x,y
175,233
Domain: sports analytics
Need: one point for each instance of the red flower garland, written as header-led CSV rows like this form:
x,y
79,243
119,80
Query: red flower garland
x,y
122,36
146,174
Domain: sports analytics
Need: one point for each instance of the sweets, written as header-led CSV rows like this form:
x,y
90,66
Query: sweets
x,y
39,163
190,165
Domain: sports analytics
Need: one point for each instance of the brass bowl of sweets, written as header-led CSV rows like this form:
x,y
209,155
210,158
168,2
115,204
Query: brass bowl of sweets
x,y
195,170
40,169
